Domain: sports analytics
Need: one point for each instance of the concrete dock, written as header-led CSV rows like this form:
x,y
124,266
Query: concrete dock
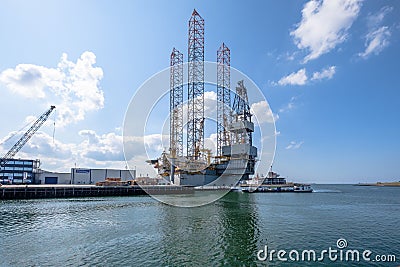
x,y
10,192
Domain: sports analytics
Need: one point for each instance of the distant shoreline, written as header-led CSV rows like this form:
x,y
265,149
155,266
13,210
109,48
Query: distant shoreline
x,y
380,184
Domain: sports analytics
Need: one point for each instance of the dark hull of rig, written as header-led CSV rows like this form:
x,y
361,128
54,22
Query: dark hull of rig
x,y
238,165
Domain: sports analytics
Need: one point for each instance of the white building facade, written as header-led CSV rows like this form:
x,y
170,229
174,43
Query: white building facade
x,y
83,176
92,176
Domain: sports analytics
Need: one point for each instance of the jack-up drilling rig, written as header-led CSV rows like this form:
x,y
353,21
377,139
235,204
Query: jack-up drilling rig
x,y
236,156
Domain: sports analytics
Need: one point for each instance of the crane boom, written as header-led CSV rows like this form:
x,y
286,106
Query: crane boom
x,y
25,138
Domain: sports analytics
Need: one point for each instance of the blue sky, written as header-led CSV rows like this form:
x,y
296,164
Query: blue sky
x,y
329,70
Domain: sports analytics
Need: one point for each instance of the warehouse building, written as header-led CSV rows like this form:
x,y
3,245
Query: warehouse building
x,y
27,171
91,176
83,176
47,177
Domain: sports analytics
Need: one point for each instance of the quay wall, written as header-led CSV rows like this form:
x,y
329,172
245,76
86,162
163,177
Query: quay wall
x,y
10,192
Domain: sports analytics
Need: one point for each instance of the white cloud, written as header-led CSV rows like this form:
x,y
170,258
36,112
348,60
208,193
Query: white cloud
x,y
294,145
324,25
211,142
326,73
287,56
210,104
377,18
152,144
263,113
106,147
155,143
29,120
289,106
378,36
295,78
72,87
41,145
376,41
29,80
91,135
300,78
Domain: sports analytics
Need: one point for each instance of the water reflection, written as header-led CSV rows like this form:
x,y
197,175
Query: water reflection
x,y
223,233
241,228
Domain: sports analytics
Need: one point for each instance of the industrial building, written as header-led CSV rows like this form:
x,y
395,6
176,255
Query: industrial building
x,y
47,177
83,176
19,171
27,171
91,176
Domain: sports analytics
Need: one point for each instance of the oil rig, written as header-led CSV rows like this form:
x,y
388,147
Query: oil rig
x,y
235,154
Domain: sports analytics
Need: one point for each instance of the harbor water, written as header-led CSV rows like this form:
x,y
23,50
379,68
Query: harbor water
x,y
140,231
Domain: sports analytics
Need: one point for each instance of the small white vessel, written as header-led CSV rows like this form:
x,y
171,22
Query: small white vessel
x,y
302,188
273,183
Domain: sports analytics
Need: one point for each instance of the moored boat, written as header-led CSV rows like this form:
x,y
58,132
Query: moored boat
x,y
273,183
302,188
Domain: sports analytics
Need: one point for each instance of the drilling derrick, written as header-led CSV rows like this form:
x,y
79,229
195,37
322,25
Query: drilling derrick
x,y
241,149
195,133
223,98
242,114
176,104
